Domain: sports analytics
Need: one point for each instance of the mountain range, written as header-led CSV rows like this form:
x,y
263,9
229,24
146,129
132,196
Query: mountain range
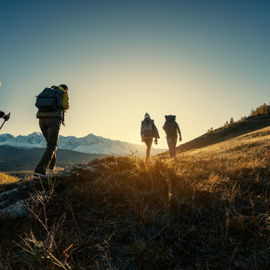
x,y
21,153
90,144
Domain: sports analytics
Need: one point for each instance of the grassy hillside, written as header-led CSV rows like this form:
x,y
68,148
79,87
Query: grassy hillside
x,y
12,158
208,210
222,134
7,179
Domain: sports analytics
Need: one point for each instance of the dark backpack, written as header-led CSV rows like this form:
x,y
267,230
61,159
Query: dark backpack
x,y
170,125
147,128
49,100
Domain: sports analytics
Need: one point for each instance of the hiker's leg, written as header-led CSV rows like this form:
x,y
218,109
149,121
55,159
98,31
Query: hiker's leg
x,y
169,142
52,162
148,143
174,142
147,154
52,136
44,129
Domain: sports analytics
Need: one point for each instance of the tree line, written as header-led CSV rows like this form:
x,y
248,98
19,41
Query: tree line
x,y
261,110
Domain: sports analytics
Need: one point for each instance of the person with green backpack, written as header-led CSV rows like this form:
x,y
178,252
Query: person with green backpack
x,y
52,103
148,132
172,128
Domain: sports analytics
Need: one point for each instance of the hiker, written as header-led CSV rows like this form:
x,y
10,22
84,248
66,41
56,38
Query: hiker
x,y
148,132
52,104
4,116
171,128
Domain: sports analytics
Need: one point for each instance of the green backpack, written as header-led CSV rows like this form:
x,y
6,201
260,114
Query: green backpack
x,y
49,100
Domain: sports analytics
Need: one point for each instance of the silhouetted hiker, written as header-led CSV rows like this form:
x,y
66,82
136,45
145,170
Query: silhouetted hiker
x,y
52,104
148,132
171,128
5,117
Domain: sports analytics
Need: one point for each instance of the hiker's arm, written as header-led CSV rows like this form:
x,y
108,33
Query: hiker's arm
x,y
156,135
179,131
142,134
2,114
65,102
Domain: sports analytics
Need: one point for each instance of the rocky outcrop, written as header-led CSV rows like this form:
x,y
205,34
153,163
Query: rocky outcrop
x,y
15,202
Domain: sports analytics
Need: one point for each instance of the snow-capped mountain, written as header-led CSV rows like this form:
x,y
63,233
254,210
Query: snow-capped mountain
x,y
89,144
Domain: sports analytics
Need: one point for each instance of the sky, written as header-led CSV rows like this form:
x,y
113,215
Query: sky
x,y
203,61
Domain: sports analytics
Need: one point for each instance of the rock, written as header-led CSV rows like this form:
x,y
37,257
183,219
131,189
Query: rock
x,y
13,201
14,211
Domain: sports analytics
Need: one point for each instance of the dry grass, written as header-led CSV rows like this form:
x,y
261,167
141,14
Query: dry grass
x,y
208,210
7,179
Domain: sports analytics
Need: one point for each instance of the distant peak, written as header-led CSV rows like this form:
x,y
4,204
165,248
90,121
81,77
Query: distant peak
x,y
7,135
91,135
35,133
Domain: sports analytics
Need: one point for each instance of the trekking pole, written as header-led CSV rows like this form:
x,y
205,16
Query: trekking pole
x,y
4,121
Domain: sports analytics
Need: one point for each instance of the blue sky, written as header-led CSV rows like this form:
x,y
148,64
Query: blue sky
x,y
205,61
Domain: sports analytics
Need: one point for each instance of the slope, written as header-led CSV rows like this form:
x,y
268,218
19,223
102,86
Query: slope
x,y
208,210
248,125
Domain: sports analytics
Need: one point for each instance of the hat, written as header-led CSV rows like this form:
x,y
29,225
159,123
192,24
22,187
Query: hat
x,y
146,115
64,86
